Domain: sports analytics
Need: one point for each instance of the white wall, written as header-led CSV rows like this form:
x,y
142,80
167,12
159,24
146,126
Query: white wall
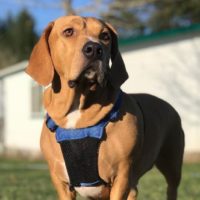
x,y
22,132
1,98
172,72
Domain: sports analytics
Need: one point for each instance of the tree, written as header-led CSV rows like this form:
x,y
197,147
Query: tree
x,y
171,14
131,18
124,17
67,5
17,38
120,13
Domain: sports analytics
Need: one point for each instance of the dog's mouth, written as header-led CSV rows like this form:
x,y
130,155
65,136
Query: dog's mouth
x,y
93,74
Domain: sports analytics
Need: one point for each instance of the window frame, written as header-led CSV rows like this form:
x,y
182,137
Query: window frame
x,y
36,98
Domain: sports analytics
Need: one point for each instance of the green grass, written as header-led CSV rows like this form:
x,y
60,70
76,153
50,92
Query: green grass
x,y
26,180
153,186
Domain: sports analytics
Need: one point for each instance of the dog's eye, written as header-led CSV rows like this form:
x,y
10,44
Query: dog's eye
x,y
68,32
105,36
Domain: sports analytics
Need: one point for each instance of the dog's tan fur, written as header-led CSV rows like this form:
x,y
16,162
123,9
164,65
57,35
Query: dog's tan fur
x,y
147,132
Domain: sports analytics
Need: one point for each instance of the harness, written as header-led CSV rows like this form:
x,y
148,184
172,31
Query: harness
x,y
80,148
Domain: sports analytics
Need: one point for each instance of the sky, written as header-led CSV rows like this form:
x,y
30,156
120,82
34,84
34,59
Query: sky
x,y
43,11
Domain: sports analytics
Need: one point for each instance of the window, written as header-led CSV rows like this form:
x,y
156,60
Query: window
x,y
36,100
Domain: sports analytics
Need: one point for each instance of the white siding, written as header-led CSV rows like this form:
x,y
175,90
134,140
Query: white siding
x,y
172,72
1,117
1,98
22,132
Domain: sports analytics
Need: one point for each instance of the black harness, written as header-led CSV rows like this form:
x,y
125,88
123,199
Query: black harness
x,y
80,148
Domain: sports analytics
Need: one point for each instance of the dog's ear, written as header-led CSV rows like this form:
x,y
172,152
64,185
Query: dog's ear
x,y
40,66
118,73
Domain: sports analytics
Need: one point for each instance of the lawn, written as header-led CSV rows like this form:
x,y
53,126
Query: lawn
x,y
26,180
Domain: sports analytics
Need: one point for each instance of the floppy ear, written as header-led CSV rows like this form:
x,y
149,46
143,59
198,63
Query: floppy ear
x,y
40,66
118,73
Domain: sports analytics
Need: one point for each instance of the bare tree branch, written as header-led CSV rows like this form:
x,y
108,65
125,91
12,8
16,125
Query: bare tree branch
x,y
67,5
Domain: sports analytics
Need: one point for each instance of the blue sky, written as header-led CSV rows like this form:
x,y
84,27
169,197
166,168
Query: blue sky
x,y
43,11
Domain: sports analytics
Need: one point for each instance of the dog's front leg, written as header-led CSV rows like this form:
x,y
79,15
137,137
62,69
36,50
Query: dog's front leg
x,y
132,194
120,188
62,189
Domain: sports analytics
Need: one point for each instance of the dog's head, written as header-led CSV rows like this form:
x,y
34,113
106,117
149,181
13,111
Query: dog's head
x,y
77,49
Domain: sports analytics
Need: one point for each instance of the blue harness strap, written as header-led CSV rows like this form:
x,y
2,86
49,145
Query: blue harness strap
x,y
80,148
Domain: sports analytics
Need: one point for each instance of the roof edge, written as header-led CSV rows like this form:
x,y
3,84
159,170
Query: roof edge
x,y
13,69
159,35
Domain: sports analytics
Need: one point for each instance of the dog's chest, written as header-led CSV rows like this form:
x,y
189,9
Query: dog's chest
x,y
81,159
80,149
81,152
72,119
91,192
96,192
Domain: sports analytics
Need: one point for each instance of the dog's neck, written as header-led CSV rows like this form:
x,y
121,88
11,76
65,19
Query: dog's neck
x,y
78,108
74,113
95,106
58,100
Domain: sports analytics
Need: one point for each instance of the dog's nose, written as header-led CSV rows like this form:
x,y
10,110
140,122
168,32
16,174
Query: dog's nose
x,y
93,50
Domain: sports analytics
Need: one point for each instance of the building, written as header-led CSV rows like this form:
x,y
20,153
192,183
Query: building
x,y
21,112
166,64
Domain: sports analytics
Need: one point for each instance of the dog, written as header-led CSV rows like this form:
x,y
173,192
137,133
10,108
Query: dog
x,y
72,60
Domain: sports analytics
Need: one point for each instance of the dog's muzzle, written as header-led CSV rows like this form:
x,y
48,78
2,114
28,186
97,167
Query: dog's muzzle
x,y
95,71
92,50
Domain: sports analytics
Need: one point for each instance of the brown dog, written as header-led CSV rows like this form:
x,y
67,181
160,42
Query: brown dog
x,y
72,58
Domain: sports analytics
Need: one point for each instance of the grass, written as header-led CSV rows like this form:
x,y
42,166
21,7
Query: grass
x,y
153,186
26,180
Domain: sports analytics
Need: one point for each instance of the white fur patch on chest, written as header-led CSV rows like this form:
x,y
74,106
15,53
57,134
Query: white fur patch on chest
x,y
72,118
86,192
90,192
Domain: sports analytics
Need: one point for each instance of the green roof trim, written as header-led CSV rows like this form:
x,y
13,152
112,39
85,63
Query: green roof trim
x,y
162,34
